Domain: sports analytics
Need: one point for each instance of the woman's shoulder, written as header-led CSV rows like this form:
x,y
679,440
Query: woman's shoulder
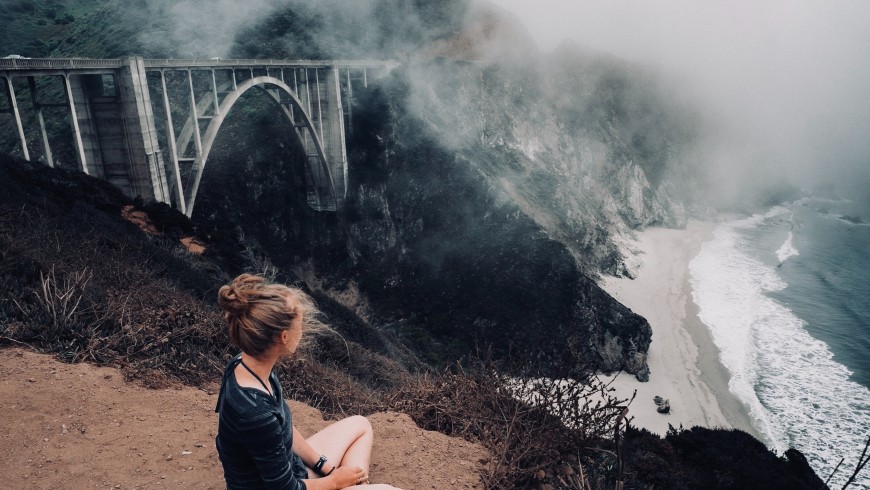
x,y
242,401
249,406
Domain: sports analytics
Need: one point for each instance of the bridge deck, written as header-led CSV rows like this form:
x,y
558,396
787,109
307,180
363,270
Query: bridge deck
x,y
117,137
48,66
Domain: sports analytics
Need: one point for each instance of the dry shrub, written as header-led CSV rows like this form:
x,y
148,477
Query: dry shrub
x,y
520,422
331,390
61,298
88,286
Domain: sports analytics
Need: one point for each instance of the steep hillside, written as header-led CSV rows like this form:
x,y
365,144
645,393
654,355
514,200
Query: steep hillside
x,y
89,275
488,186
485,196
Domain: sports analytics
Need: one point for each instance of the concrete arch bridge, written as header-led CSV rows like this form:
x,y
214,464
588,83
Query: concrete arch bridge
x,y
121,137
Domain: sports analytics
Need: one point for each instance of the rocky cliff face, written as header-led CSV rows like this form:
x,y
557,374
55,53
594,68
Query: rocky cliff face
x,y
457,231
487,193
489,186
586,148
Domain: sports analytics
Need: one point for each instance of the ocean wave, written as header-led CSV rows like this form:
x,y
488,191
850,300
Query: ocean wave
x,y
797,395
787,249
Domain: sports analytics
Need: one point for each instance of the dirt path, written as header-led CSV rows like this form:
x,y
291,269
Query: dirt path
x,y
81,426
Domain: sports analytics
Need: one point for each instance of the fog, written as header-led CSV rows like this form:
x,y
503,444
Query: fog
x,y
784,85
196,28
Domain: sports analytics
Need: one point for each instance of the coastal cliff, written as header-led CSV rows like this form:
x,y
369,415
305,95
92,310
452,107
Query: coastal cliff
x,y
489,187
486,194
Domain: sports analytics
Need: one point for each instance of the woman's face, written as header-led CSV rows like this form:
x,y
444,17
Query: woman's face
x,y
291,337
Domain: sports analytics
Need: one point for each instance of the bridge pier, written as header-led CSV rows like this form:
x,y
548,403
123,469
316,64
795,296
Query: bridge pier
x,y
147,175
81,91
326,184
114,131
13,109
34,98
74,122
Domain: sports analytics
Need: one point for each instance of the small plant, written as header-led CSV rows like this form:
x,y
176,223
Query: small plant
x,y
62,299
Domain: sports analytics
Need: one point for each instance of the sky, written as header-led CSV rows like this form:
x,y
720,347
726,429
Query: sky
x,y
786,84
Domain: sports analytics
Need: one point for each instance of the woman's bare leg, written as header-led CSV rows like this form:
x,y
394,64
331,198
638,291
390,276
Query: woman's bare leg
x,y
347,442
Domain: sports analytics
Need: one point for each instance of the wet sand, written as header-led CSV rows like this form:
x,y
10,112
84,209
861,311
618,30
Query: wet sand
x,y
684,362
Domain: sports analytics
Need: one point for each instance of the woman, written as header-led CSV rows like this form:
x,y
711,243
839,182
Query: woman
x,y
257,443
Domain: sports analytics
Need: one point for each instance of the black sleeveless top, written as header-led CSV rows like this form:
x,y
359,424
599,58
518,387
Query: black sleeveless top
x,y
255,436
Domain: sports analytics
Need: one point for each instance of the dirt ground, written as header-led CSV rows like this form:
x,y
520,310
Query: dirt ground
x,y
81,426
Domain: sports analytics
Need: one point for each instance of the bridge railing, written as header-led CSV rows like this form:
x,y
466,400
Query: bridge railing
x,y
231,63
59,63
83,63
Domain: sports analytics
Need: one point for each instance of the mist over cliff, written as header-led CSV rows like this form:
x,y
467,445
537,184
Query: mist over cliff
x,y
782,85
490,184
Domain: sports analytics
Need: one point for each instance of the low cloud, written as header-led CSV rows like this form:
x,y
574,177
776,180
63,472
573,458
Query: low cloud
x,y
785,85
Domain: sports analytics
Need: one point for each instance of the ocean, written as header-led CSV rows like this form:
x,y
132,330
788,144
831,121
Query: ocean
x,y
786,297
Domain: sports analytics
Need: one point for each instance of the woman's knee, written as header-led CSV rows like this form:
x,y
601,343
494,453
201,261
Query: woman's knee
x,y
360,424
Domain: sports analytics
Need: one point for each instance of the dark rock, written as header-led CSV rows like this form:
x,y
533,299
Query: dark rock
x,y
662,405
801,468
443,259
731,458
643,374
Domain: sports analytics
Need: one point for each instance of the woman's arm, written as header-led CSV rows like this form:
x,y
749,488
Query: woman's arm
x,y
307,453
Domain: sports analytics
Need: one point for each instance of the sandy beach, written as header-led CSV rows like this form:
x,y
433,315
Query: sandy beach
x,y
684,363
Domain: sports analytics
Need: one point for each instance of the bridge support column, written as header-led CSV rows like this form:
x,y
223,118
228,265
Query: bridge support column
x,y
147,174
13,109
74,122
329,123
46,146
82,90
333,136
180,202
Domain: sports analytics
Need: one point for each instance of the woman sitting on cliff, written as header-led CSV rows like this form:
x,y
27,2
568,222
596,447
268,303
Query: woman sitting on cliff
x,y
257,443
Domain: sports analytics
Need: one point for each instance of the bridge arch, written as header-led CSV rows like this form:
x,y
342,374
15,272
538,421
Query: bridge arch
x,y
322,181
130,154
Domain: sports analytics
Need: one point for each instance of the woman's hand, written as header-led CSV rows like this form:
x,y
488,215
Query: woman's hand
x,y
348,476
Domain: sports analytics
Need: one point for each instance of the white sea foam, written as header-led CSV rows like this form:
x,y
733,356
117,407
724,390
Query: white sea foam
x,y
787,249
797,395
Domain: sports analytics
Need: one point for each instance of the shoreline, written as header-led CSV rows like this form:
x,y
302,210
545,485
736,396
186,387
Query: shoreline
x,y
683,360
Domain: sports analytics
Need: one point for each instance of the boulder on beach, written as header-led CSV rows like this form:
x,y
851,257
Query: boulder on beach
x,y
643,374
662,405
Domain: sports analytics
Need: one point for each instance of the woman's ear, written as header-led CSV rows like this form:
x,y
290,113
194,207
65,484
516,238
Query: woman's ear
x,y
285,336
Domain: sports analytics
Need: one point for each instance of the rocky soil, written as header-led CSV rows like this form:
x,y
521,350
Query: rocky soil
x,y
79,426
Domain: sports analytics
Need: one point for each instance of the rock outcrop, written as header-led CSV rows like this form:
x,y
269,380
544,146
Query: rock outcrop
x,y
485,198
662,405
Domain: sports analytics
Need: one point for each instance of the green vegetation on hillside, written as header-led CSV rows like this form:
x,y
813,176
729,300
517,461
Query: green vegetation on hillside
x,y
51,28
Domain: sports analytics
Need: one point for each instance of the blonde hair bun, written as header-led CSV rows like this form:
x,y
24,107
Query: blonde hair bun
x,y
257,312
235,299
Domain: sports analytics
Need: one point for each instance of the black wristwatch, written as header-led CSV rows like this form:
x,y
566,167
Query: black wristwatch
x,y
318,466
